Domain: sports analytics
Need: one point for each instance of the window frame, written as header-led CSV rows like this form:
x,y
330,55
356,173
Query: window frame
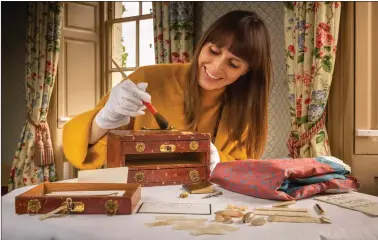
x,y
109,39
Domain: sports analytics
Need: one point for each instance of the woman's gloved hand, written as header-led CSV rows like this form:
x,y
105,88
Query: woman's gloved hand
x,y
214,157
125,101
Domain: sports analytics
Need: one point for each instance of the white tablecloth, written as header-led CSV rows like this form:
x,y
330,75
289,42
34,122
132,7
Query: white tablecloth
x,y
346,224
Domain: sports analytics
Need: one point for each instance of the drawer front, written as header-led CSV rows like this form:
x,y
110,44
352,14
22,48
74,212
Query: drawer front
x,y
165,147
158,177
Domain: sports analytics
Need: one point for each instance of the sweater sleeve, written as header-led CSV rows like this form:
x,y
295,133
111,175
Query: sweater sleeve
x,y
76,133
76,137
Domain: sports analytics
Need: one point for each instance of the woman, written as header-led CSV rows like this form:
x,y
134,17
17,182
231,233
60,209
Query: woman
x,y
224,91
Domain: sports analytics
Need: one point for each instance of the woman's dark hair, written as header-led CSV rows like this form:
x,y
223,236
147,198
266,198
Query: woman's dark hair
x,y
246,98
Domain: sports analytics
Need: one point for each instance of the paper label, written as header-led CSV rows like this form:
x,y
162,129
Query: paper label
x,y
107,175
352,201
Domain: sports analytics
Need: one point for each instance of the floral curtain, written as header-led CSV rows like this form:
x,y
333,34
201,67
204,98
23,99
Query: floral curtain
x,y
33,161
173,31
311,32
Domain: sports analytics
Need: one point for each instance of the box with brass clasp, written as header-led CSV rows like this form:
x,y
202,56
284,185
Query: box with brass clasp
x,y
38,200
160,157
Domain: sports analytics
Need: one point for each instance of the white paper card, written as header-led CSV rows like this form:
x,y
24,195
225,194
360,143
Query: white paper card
x,y
106,175
176,208
352,201
87,193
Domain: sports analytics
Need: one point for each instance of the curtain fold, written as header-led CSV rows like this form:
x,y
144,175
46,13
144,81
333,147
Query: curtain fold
x,y
173,31
311,34
33,161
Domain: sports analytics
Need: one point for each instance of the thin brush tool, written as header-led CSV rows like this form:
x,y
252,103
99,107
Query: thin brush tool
x,y
215,194
161,121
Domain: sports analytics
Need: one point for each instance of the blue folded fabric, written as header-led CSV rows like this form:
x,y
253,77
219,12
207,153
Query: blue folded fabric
x,y
292,184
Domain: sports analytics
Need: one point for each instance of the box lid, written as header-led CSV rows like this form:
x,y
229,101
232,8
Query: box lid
x,y
157,135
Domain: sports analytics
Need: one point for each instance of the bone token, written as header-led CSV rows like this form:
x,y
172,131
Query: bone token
x,y
248,217
184,195
230,213
223,218
233,207
282,213
286,203
223,227
258,221
325,220
188,225
283,209
243,208
207,231
295,219
159,223
230,206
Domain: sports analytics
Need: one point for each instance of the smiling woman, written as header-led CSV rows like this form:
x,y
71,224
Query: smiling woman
x,y
234,55
223,91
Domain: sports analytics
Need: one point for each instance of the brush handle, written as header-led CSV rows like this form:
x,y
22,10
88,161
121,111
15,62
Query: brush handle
x,y
150,107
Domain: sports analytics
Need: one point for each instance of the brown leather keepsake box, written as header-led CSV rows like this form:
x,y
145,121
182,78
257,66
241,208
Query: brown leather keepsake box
x,y
160,157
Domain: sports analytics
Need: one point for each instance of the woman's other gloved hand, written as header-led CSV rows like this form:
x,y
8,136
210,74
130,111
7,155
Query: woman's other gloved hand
x,y
214,157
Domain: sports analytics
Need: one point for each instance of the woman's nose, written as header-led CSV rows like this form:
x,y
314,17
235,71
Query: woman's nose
x,y
218,64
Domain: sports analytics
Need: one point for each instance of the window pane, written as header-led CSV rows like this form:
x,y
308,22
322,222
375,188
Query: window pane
x,y
124,44
117,77
146,8
126,9
146,43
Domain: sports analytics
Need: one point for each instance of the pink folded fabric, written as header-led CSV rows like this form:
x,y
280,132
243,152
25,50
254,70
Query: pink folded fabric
x,y
283,179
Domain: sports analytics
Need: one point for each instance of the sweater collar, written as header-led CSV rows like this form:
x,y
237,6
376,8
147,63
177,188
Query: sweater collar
x,y
211,98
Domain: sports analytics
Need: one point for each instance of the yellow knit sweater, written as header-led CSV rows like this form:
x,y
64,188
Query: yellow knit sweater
x,y
165,85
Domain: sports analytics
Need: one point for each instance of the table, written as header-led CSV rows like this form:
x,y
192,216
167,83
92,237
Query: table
x,y
346,224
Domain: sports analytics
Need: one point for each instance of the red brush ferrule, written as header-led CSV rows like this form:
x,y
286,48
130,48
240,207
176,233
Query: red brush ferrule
x,y
150,108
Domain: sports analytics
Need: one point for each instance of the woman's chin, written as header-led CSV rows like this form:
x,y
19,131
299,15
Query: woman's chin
x,y
209,84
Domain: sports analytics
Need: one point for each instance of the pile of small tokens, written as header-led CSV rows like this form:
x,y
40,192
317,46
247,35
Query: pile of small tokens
x,y
231,211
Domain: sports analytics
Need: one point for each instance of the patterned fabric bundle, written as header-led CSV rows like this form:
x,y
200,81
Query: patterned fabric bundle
x,y
284,179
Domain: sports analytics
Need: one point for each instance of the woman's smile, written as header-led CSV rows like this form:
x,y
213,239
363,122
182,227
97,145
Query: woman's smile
x,y
210,75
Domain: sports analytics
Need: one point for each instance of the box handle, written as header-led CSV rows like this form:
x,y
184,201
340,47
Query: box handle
x,y
194,176
111,207
139,176
34,205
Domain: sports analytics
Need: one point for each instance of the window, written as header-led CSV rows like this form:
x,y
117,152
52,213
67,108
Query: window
x,y
131,38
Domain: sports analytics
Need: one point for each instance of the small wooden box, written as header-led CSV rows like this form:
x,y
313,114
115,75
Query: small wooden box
x,y
35,200
160,157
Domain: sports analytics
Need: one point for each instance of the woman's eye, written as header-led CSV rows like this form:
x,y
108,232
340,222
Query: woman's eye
x,y
233,65
214,52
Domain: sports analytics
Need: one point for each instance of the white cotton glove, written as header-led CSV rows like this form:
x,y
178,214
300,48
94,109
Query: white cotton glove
x,y
214,157
125,101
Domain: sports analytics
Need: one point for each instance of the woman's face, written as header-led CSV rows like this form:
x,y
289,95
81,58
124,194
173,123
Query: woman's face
x,y
218,67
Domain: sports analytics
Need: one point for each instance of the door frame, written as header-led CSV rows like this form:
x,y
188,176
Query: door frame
x,y
342,109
